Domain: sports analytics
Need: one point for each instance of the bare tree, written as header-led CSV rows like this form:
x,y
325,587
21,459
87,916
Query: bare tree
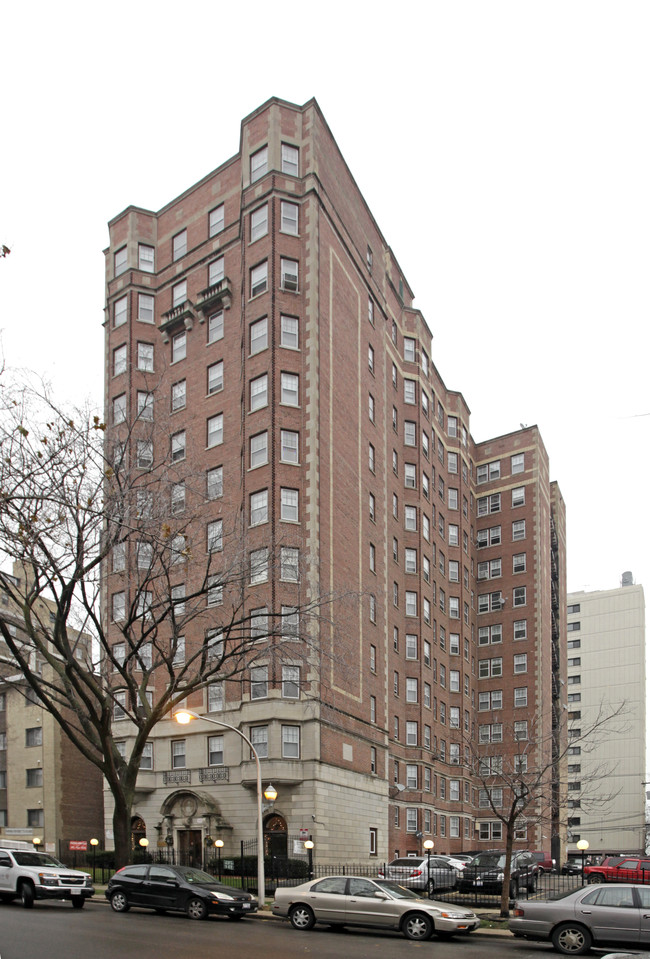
x,y
529,787
71,510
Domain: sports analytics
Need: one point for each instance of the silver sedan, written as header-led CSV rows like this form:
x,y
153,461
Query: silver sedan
x,y
357,901
594,915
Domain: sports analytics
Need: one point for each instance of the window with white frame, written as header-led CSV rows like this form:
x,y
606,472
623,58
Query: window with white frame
x,y
290,682
259,507
411,733
119,359
259,449
291,742
259,566
215,750
179,347
290,159
260,740
259,335
289,332
259,682
216,220
178,651
289,218
521,663
146,258
409,349
289,395
259,222
216,326
215,536
519,530
411,603
289,505
179,245
144,454
216,697
410,394
289,560
411,690
259,163
519,496
120,311
120,261
519,596
289,274
411,819
216,272
214,483
259,278
519,563
259,393
517,463
215,430
520,629
521,696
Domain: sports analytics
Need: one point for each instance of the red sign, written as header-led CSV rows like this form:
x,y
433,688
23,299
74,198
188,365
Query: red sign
x,y
304,834
79,845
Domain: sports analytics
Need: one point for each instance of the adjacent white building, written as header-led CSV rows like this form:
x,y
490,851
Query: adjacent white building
x,y
605,671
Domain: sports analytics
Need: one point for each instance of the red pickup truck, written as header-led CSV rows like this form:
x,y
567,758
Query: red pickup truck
x,y
620,869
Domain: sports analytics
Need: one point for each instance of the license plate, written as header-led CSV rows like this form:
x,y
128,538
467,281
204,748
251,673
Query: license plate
x,y
478,882
75,892
246,905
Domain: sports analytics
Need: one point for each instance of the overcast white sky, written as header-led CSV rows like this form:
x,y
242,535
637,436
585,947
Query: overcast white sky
x,y
503,147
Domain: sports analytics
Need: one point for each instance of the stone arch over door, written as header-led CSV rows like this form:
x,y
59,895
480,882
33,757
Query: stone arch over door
x,y
275,837
188,812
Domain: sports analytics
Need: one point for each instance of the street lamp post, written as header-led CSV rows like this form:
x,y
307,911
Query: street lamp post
x,y
428,845
309,846
583,846
219,844
94,843
185,716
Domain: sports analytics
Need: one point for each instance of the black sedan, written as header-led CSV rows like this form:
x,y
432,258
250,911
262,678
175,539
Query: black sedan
x,y
177,889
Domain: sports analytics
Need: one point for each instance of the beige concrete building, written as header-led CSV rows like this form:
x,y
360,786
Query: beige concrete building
x,y
606,670
48,791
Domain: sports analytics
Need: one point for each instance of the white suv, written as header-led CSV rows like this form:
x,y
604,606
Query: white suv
x,y
30,875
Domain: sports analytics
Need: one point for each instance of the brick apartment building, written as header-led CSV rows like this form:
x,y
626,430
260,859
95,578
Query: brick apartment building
x,y
48,790
264,317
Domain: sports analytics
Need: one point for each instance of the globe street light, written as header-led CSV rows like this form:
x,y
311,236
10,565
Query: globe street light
x,y
94,843
583,846
428,845
184,717
219,844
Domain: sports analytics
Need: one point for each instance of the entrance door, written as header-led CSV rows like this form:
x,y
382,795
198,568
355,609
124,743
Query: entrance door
x,y
190,847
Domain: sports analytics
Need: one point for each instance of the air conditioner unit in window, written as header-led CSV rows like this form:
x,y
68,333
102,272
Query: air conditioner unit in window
x,y
290,283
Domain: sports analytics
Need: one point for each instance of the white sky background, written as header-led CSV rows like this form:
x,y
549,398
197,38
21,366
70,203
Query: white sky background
x,y
503,147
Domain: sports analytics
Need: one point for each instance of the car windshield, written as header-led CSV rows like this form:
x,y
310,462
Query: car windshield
x,y
36,859
396,891
489,860
195,875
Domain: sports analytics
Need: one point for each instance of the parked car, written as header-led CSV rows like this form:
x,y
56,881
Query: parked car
x,y
29,875
463,856
619,869
572,867
356,901
544,861
590,916
177,889
455,862
417,873
485,873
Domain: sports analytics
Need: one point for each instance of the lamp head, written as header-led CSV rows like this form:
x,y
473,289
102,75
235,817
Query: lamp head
x,y
309,844
184,716
270,793
94,842
428,843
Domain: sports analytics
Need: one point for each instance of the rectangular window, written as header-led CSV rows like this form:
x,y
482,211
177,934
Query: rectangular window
x,y
259,682
179,347
214,483
259,450
215,327
289,446
259,222
520,629
289,389
215,536
289,332
260,739
519,563
119,360
146,258
120,262
517,463
178,754
259,278
519,596
290,158
215,697
291,742
120,311
291,682
519,496
258,392
215,430
289,218
215,750
216,272
411,734
289,274
289,505
259,507
216,220
179,245
259,164
259,560
409,349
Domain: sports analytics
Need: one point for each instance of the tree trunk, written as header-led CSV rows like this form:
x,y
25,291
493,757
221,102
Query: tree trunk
x,y
123,800
505,890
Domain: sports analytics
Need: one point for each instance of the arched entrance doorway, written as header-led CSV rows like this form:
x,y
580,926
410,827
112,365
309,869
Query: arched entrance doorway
x,y
138,831
275,837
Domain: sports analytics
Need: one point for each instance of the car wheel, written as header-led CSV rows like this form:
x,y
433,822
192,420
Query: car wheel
x,y
78,903
196,908
532,885
302,917
119,902
571,939
27,895
595,878
417,925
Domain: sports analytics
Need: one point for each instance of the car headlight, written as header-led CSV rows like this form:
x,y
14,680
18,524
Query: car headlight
x,y
454,915
221,895
48,879
500,877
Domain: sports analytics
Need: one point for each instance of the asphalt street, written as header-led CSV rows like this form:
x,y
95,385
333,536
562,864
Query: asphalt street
x,y
56,931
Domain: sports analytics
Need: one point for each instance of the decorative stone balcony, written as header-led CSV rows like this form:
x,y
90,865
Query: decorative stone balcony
x,y
215,296
180,316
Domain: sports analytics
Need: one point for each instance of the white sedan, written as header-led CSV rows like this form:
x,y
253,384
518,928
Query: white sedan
x,y
357,901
